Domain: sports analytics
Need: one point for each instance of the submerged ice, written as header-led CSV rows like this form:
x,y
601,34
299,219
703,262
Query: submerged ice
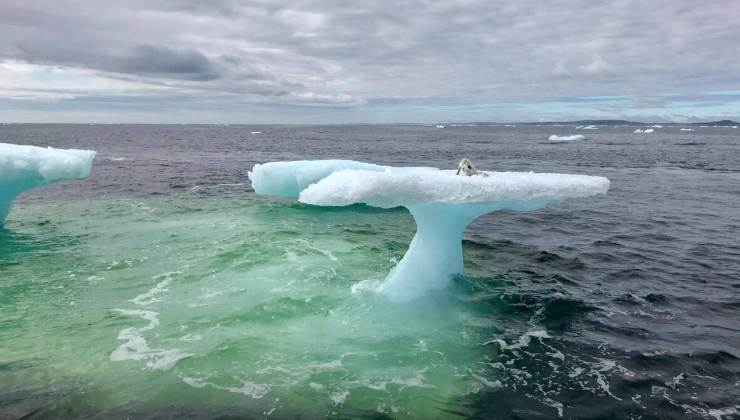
x,y
442,205
26,167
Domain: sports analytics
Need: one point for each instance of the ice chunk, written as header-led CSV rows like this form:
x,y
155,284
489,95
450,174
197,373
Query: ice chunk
x,y
288,179
567,138
442,204
687,129
26,167
645,131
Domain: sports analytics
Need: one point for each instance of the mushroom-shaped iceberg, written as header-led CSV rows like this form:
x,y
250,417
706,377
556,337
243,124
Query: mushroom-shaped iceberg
x,y
26,167
442,205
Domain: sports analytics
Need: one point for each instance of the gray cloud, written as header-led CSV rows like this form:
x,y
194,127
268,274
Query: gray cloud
x,y
332,53
165,62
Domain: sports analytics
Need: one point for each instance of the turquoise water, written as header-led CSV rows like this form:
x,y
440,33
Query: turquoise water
x,y
230,302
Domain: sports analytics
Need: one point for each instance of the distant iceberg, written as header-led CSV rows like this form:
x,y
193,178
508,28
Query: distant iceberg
x,y
442,205
687,129
440,126
26,167
587,127
567,138
646,131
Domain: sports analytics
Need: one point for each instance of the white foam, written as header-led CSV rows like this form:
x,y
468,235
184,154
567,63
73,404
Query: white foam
x,y
523,341
339,397
135,346
152,295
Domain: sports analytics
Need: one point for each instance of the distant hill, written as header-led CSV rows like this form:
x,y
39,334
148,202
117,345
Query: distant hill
x,y
579,122
722,123
601,122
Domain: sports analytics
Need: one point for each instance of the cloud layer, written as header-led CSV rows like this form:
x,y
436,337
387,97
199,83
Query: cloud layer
x,y
338,61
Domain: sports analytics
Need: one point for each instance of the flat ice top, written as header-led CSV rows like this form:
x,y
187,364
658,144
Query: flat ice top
x,y
393,187
288,179
345,182
42,165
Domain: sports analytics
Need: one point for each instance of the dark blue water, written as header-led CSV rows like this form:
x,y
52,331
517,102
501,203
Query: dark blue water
x,y
639,289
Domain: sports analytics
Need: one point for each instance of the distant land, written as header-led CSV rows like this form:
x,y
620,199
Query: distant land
x,y
722,123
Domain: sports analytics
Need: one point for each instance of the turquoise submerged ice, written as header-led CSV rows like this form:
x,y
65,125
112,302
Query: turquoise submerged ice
x,y
441,202
26,167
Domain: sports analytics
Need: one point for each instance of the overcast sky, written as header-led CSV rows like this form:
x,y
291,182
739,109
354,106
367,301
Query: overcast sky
x,y
340,61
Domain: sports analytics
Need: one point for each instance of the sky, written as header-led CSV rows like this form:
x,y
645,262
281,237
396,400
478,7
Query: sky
x,y
381,61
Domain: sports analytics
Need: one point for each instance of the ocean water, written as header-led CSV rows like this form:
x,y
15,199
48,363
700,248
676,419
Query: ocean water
x,y
162,286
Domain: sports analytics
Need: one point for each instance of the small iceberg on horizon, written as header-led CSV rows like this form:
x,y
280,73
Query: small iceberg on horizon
x,y
556,138
645,131
441,202
25,167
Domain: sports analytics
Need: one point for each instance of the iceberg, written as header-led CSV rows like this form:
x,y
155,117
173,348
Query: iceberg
x,y
645,131
567,138
26,167
441,202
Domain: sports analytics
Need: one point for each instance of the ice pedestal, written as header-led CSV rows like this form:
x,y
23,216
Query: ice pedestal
x,y
442,205
26,167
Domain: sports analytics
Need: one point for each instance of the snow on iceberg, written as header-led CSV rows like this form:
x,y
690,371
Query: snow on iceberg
x,y
288,179
26,167
442,205
567,138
